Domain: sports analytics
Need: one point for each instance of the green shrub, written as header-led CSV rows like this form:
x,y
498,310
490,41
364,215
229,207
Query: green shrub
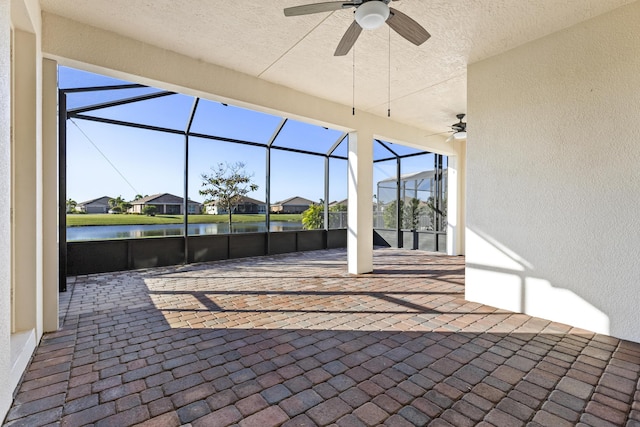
x,y
313,218
150,210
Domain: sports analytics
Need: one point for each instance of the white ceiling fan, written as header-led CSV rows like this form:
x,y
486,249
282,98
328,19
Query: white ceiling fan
x,y
370,14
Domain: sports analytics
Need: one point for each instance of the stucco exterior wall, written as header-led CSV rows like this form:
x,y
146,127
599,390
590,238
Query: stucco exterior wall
x,y
5,203
553,161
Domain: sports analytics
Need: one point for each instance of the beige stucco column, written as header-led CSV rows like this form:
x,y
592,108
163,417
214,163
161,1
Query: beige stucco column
x,y
24,183
34,181
360,191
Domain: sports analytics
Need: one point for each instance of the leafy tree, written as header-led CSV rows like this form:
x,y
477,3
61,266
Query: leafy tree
x,y
126,206
390,213
412,212
119,205
313,217
150,210
338,207
71,205
140,196
227,184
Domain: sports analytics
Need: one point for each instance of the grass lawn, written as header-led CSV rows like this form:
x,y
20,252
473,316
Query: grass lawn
x,y
76,220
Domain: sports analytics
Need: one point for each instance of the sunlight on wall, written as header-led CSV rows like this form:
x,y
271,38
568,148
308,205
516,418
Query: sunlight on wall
x,y
497,276
498,289
491,253
543,300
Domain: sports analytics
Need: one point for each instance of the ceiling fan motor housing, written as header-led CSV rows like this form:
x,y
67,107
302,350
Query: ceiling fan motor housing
x,y
460,126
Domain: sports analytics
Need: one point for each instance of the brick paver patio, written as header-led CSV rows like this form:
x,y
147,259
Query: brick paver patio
x,y
294,340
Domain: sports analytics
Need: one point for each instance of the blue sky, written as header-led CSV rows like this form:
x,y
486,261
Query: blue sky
x,y
111,160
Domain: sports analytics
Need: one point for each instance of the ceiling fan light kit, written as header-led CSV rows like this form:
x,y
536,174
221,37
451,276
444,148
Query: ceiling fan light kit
x,y
372,14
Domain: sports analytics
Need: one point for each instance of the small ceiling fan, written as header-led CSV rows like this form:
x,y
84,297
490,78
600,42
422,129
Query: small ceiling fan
x,y
370,14
459,129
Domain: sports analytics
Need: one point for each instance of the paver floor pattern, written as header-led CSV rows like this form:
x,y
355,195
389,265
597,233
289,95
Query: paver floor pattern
x,y
295,340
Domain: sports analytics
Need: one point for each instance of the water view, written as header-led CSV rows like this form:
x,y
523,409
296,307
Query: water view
x,y
104,232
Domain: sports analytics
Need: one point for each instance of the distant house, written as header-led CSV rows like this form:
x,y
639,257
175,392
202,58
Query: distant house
x,y
95,206
342,203
165,203
247,205
292,205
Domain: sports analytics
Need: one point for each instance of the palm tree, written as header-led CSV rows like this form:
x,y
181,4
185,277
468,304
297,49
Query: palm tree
x,y
412,212
117,204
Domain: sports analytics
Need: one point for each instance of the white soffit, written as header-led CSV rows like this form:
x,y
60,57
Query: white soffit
x,y
428,83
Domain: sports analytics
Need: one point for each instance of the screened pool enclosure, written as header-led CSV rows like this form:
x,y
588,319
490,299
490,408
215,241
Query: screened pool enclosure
x,y
130,142
410,212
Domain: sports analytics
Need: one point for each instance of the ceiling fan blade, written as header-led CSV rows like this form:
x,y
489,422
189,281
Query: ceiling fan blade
x,y
407,27
348,40
308,9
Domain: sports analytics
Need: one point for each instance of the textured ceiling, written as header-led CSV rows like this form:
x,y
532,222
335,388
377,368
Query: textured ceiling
x,y
427,83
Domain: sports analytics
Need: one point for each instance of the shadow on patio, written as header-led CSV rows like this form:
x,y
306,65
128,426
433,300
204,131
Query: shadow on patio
x,y
295,340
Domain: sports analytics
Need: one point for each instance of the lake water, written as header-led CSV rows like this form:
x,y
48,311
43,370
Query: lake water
x,y
103,232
